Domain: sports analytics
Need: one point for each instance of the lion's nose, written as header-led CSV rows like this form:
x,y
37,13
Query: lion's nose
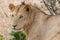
x,y
14,26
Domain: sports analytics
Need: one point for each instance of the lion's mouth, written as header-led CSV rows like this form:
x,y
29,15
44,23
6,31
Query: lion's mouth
x,y
16,28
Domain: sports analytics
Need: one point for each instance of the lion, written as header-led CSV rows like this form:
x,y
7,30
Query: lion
x,y
36,24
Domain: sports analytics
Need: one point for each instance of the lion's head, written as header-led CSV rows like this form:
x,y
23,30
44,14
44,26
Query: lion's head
x,y
22,15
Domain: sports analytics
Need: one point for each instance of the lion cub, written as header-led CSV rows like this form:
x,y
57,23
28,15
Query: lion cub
x,y
36,24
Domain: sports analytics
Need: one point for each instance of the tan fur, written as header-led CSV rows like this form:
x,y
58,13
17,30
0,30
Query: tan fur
x,y
27,16
35,23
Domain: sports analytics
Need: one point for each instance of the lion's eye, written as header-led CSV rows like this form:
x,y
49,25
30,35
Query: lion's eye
x,y
27,9
12,15
21,16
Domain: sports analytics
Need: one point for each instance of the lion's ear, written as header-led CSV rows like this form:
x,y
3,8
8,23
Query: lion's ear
x,y
11,7
35,9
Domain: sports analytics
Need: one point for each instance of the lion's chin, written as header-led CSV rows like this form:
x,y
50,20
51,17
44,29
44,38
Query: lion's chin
x,y
19,29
